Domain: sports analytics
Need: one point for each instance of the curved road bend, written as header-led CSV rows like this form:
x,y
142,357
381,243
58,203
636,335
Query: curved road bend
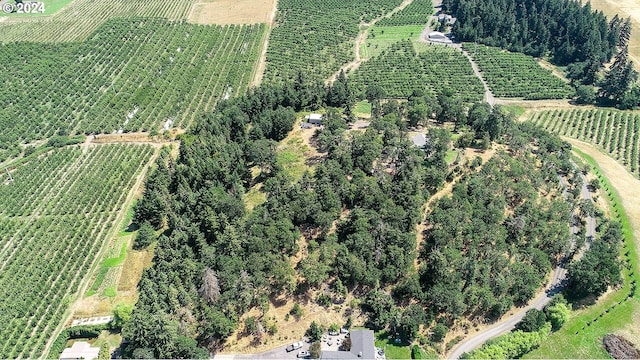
x,y
557,283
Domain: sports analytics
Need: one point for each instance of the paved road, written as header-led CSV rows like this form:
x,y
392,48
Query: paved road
x,y
278,353
557,283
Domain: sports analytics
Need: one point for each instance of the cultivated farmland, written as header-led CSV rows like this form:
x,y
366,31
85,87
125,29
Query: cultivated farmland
x,y
80,18
54,217
417,13
617,132
130,75
510,74
400,70
316,37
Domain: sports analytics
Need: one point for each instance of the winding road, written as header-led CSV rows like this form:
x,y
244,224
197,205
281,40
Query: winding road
x,y
557,283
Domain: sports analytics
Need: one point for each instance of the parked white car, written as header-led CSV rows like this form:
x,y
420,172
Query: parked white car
x,y
303,354
294,346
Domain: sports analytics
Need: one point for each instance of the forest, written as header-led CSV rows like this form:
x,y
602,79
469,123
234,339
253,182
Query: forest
x,y
483,251
567,32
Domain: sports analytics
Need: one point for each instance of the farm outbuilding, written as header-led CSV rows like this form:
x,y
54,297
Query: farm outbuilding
x,y
439,37
315,119
446,18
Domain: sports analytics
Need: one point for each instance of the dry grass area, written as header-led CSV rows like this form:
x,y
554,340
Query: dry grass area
x,y
624,8
130,273
292,329
132,268
225,12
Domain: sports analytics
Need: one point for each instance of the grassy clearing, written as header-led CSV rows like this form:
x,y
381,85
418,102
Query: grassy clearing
x,y
516,110
127,224
363,108
391,349
107,264
380,38
290,155
581,336
451,156
254,197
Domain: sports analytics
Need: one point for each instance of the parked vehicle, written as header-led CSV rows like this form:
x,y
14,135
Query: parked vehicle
x,y
304,354
294,346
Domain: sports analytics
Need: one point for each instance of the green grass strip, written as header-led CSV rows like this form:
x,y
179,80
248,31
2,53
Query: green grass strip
x,y
104,268
581,336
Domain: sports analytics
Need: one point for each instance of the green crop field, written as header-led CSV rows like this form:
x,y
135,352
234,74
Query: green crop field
x,y
616,132
418,12
510,74
380,38
54,217
130,75
400,70
316,37
79,18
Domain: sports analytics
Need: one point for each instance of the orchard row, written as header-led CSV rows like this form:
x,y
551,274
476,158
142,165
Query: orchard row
x,y
54,217
130,75
617,132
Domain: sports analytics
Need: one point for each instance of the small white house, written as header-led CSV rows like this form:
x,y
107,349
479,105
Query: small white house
x,y
315,119
80,350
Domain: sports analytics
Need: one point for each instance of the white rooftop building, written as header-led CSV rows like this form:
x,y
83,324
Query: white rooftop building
x,y
80,350
314,119
436,36
419,140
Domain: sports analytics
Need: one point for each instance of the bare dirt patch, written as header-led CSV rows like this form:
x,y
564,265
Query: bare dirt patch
x,y
288,327
225,12
619,347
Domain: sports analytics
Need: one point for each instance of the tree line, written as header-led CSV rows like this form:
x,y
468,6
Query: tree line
x,y
570,33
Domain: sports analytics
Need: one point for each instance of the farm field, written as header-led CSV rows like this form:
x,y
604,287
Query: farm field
x,y
510,74
417,13
225,12
54,218
80,18
130,75
316,37
616,132
380,38
400,70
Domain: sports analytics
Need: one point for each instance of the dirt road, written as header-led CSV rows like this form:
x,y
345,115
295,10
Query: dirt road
x,y
361,38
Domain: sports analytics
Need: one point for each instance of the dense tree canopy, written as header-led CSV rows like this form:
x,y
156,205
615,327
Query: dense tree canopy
x,y
488,246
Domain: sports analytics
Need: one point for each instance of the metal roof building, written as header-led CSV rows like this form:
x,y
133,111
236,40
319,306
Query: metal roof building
x,y
362,347
80,350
